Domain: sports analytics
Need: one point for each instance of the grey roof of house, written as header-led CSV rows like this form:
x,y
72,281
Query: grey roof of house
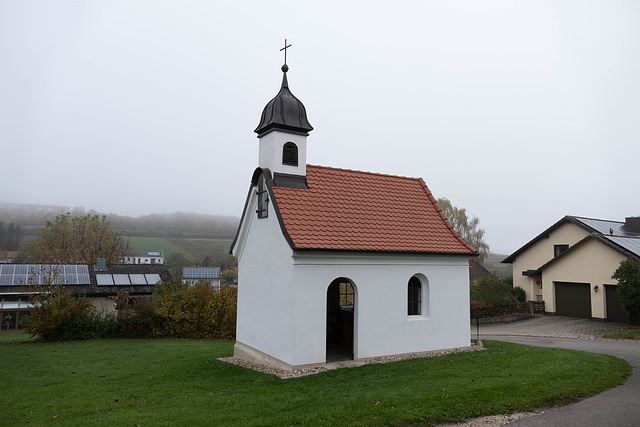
x,y
604,226
631,244
83,279
201,273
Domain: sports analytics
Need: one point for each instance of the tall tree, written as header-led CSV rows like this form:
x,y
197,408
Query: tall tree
x,y
81,239
467,228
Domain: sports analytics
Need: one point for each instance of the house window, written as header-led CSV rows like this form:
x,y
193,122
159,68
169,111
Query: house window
x,y
263,199
558,249
415,297
290,154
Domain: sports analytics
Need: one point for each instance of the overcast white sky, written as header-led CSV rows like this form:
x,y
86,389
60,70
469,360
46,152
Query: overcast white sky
x,y
522,112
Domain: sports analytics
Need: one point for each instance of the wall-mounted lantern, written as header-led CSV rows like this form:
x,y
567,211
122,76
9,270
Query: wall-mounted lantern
x,y
595,288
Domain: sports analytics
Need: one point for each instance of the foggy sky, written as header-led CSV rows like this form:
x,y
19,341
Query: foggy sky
x,y
521,112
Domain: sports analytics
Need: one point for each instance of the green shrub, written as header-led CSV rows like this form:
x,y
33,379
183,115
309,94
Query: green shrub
x,y
519,294
175,310
61,316
194,311
492,290
137,319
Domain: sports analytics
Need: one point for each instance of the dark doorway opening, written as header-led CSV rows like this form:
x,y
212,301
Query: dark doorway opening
x,y
340,320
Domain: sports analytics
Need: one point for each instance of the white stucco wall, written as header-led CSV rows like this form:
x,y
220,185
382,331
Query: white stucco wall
x,y
541,252
270,152
103,305
382,326
265,288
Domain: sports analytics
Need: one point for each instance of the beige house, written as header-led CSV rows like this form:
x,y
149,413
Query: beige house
x,y
569,266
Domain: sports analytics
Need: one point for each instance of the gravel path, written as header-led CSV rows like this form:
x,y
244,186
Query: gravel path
x,y
494,420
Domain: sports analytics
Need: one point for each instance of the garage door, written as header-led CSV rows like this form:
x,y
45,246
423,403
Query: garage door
x,y
615,312
573,300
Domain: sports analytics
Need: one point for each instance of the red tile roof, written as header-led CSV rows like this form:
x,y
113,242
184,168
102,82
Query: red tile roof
x,y
362,211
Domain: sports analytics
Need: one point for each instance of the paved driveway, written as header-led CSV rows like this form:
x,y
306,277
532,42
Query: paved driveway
x,y
619,406
551,326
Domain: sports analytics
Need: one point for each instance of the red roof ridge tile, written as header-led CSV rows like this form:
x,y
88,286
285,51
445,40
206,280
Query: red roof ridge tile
x,y
364,172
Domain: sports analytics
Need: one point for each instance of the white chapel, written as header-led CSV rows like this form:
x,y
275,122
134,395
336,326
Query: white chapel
x,y
338,264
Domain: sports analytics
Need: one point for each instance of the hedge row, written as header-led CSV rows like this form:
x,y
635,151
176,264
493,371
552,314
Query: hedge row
x,y
175,310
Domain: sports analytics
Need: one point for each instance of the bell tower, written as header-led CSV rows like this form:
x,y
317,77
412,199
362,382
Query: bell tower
x,y
282,133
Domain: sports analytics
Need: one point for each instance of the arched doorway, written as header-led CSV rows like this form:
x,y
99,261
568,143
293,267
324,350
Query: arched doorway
x,y
341,305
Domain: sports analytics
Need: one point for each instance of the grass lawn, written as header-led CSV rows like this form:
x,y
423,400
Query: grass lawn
x,y
631,334
14,336
180,382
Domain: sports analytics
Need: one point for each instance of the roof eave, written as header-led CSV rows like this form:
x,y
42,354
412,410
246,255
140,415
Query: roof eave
x,y
383,251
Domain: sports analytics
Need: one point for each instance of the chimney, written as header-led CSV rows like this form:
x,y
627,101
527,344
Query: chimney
x,y
632,223
101,264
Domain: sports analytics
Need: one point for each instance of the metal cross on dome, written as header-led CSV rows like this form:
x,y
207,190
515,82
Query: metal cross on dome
x,y
285,51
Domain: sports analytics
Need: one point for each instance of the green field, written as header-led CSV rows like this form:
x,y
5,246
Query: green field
x,y
153,244
199,248
182,382
193,249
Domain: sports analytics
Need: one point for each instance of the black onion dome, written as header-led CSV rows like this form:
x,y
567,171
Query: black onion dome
x,y
284,112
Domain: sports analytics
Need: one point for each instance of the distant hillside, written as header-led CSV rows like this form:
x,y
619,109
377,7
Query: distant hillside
x,y
31,218
493,264
178,224
194,250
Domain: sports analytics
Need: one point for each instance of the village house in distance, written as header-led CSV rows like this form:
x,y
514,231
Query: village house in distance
x,y
99,282
337,264
569,266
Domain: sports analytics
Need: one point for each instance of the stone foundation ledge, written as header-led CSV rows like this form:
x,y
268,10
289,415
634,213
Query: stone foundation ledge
x,y
293,372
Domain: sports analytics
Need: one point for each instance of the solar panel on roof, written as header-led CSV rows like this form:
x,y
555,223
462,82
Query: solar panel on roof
x,y
6,279
121,279
152,279
137,279
21,269
104,279
7,269
201,273
20,279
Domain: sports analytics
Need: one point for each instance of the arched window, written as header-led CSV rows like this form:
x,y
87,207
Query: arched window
x,y
290,154
415,297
